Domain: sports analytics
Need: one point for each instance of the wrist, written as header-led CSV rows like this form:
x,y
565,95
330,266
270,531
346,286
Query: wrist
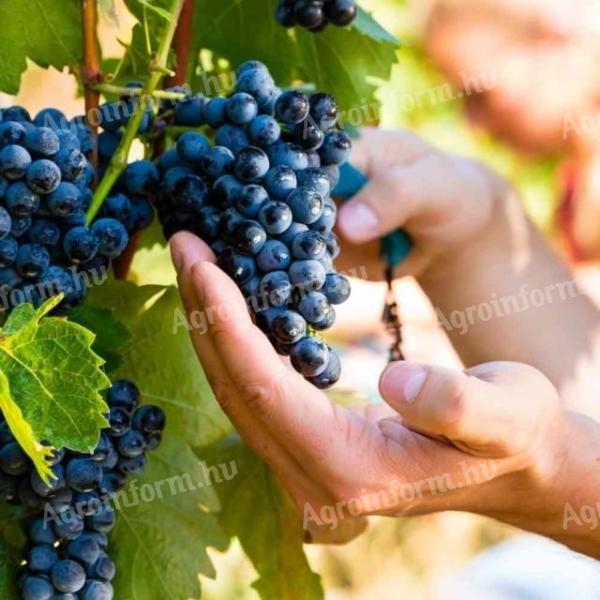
x,y
557,493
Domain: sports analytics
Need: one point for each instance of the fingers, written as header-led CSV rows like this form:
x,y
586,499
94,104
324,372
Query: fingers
x,y
393,198
187,250
298,415
344,531
377,148
496,409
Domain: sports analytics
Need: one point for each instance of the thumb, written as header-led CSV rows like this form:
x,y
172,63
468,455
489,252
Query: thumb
x,y
495,409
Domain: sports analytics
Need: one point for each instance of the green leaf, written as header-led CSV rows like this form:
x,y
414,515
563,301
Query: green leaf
x,y
51,381
45,31
341,61
111,334
160,540
160,358
135,62
161,545
256,511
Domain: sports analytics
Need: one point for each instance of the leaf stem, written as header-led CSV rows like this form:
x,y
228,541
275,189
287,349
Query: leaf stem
x,y
119,159
90,71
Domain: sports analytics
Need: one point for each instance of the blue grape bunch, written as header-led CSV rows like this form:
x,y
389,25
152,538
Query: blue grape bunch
x,y
46,181
70,517
315,15
260,195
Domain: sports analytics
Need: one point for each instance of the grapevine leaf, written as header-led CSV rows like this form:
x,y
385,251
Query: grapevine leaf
x,y
340,61
45,31
51,381
135,63
160,558
256,511
111,334
161,360
164,525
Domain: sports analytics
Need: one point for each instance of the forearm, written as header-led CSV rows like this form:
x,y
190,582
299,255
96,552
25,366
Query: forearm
x,y
507,296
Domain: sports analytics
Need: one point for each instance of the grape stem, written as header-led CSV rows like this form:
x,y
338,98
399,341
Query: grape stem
x,y
90,70
119,160
107,88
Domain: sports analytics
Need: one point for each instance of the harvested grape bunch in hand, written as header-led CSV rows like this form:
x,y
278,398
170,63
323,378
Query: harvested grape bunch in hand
x,y
71,514
315,15
260,197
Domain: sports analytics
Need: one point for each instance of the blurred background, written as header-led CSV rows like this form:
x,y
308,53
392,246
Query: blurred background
x,y
517,85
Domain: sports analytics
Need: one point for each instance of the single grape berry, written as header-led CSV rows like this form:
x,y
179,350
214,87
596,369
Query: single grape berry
x,y
241,108
65,200
191,147
288,155
83,474
68,576
111,235
273,256
80,244
292,107
14,161
264,130
288,327
335,149
330,375
43,176
280,181
251,163
249,237
251,199
42,141
340,12
20,200
336,288
306,205
32,261
275,217
123,394
310,356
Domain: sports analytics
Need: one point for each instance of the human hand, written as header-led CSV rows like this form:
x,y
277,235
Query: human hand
x,y
488,440
444,202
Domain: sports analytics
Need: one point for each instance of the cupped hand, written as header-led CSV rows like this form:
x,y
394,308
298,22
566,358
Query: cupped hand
x,y
442,440
442,201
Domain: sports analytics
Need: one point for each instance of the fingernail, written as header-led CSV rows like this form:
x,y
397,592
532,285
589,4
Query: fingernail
x,y
404,382
358,221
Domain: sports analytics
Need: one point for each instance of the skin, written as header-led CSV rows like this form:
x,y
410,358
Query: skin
x,y
502,422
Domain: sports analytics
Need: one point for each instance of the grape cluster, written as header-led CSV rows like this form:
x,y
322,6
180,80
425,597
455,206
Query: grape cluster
x,y
46,182
315,15
71,515
260,196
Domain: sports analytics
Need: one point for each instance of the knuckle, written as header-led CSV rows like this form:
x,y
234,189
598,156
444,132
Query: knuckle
x,y
260,396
